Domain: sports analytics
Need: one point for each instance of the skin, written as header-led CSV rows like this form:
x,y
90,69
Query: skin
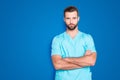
x,y
71,19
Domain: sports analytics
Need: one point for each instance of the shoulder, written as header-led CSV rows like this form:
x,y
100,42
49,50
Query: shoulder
x,y
59,37
85,35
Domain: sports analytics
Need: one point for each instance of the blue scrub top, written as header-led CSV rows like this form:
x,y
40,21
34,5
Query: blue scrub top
x,y
65,46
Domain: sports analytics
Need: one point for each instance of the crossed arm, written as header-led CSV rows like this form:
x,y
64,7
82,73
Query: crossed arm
x,y
88,59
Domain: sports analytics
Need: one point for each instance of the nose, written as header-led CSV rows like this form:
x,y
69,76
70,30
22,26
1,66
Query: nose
x,y
71,20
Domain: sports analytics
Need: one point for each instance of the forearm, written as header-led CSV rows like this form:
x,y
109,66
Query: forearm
x,y
79,61
64,65
87,60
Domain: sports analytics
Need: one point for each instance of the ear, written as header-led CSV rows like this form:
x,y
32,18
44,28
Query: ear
x,y
64,19
78,18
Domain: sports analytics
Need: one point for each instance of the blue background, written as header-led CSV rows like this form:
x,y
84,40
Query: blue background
x,y
27,28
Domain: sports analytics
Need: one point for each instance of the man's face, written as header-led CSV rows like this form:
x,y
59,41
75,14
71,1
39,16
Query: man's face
x,y
71,19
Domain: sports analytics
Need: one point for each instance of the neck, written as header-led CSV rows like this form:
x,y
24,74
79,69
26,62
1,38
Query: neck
x,y
72,33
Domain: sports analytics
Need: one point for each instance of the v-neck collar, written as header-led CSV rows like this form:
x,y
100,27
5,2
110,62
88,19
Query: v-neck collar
x,y
70,38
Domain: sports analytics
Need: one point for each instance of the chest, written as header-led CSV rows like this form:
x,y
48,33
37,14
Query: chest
x,y
71,48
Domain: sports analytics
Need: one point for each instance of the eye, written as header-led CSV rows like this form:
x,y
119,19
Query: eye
x,y
74,17
67,18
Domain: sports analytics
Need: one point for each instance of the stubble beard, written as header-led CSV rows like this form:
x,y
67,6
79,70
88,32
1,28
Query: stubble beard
x,y
71,26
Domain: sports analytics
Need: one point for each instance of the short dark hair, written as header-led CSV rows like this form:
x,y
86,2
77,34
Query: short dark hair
x,y
71,9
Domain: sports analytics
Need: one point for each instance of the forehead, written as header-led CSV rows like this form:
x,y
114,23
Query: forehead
x,y
71,14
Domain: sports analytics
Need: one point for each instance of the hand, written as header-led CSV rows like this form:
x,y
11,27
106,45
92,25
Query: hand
x,y
88,52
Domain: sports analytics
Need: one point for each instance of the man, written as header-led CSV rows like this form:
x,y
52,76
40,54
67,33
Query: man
x,y
73,52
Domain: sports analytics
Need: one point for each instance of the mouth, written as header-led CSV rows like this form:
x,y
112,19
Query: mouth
x,y
71,24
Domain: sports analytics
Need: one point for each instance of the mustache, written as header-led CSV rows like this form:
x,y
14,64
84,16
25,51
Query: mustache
x,y
71,24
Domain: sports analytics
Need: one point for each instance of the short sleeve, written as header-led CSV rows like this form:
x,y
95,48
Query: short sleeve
x,y
55,48
90,43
